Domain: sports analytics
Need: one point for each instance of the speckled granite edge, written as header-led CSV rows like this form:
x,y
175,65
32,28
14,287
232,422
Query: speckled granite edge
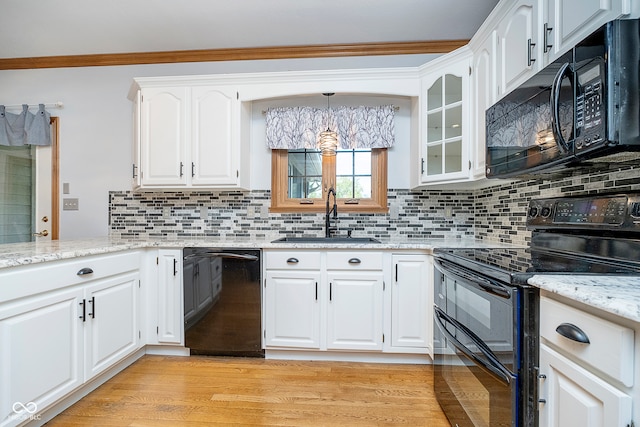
x,y
619,295
17,254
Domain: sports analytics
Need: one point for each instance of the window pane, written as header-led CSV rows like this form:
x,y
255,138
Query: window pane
x,y
304,174
362,162
353,174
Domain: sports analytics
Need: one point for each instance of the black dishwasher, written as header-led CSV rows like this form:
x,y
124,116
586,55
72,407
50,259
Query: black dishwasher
x,y
222,300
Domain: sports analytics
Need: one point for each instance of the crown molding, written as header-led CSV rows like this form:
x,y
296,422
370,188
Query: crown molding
x,y
235,54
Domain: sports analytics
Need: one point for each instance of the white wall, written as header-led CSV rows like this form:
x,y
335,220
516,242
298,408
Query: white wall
x,y
96,124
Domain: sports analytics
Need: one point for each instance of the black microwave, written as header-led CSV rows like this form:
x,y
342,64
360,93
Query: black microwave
x,y
581,110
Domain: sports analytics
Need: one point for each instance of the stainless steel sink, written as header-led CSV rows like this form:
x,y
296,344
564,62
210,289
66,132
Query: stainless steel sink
x,y
345,240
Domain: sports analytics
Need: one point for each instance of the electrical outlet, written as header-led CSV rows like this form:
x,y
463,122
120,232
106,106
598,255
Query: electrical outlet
x,y
70,204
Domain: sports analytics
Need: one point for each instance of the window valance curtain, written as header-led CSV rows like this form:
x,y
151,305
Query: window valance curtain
x,y
25,128
293,128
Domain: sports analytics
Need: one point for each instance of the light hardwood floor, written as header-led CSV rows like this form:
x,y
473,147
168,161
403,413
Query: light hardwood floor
x,y
208,391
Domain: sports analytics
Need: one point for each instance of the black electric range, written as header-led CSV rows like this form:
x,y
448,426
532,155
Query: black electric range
x,y
573,235
486,315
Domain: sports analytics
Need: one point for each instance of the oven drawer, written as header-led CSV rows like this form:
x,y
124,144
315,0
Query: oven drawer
x,y
610,348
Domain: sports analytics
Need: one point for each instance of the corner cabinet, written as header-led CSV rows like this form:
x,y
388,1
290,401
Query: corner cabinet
x,y
187,134
446,152
66,323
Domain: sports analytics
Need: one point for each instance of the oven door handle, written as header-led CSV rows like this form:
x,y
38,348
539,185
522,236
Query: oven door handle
x,y
492,364
474,279
245,257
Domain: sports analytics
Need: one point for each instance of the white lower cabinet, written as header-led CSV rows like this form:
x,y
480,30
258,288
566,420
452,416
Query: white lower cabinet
x,y
354,312
111,319
64,324
323,300
167,325
576,397
411,321
587,374
292,309
41,355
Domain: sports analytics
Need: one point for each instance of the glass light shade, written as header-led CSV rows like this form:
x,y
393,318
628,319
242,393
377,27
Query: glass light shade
x,y
328,142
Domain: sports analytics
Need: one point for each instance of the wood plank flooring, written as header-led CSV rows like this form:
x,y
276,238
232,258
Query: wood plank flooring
x,y
213,391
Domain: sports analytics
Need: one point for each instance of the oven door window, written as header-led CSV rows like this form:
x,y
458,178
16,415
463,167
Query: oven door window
x,y
474,362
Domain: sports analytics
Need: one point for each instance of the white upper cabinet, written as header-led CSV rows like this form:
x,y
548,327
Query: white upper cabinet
x,y
189,136
215,123
569,21
518,46
445,147
483,94
533,33
163,136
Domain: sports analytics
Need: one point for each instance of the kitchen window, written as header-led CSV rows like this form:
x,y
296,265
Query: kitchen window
x,y
301,178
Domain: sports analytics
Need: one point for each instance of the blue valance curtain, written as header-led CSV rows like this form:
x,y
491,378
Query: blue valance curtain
x,y
25,128
293,128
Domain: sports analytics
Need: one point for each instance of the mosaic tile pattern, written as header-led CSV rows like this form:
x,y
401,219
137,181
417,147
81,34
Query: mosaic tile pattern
x,y
414,215
493,214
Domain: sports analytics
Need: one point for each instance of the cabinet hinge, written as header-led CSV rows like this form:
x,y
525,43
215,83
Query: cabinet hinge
x,y
265,283
157,330
157,260
469,164
469,70
383,338
237,173
384,285
139,283
237,95
139,334
264,334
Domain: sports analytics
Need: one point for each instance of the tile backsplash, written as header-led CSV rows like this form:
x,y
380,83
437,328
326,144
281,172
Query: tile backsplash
x,y
494,214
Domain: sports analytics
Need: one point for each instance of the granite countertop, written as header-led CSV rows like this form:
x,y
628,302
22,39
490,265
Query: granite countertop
x,y
619,295
16,254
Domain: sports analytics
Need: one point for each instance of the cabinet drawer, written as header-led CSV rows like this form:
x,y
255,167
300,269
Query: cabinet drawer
x,y
354,260
610,348
300,260
28,280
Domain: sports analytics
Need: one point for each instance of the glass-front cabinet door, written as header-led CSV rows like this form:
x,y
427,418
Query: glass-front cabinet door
x,y
446,148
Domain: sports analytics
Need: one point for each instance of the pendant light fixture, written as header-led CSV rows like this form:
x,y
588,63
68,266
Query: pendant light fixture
x,y
328,141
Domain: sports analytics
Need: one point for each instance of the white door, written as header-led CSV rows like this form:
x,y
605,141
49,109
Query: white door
x,y
213,149
410,317
41,357
354,315
27,208
111,324
43,214
575,397
517,46
292,308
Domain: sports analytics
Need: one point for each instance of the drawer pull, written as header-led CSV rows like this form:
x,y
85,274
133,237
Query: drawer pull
x,y
354,261
84,271
573,333
292,261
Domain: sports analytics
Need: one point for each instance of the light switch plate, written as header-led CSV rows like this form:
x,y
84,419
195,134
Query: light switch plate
x,y
69,204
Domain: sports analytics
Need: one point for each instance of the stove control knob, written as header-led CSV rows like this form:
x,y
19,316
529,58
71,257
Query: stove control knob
x,y
545,212
634,210
533,211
